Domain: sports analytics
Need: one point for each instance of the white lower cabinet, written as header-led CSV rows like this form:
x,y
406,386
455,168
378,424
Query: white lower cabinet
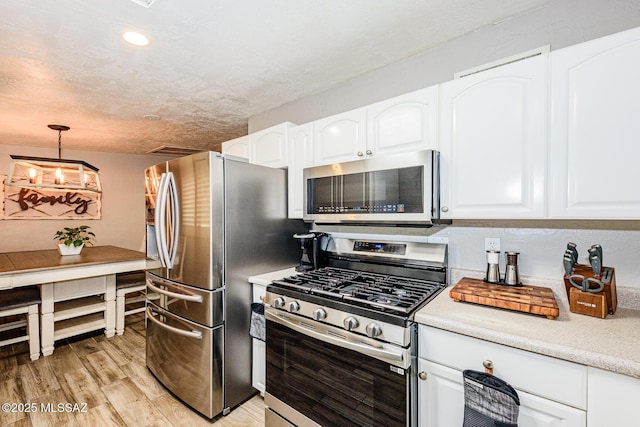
x,y
552,392
258,368
441,396
612,399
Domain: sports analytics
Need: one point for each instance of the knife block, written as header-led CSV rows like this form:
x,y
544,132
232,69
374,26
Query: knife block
x,y
588,303
609,291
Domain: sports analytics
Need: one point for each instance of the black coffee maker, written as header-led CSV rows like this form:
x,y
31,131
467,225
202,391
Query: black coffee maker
x,y
309,250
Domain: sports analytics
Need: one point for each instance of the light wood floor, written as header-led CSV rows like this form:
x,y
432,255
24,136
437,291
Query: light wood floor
x,y
110,376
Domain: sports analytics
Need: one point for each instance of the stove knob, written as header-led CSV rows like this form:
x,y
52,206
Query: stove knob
x,y
373,330
293,306
350,323
278,302
319,314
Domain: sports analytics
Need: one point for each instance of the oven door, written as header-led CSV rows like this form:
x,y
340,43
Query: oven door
x,y
322,375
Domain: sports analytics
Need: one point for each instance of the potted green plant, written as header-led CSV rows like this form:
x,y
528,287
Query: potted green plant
x,y
73,239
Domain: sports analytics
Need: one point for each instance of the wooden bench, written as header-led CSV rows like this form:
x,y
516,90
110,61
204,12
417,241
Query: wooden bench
x,y
18,302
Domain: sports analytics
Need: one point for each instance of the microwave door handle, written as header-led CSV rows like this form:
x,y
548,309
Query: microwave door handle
x,y
160,219
176,295
360,348
191,334
172,197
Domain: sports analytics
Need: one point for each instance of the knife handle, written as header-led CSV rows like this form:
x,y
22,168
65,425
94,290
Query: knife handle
x,y
567,262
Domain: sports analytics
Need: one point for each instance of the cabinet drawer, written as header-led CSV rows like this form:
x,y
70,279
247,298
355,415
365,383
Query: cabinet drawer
x,y
544,376
70,289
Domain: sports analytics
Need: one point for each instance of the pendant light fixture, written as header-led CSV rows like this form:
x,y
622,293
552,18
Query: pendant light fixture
x,y
46,172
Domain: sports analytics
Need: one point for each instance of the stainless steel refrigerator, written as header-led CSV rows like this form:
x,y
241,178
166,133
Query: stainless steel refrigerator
x,y
212,222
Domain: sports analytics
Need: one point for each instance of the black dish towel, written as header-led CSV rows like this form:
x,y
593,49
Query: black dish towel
x,y
257,329
489,401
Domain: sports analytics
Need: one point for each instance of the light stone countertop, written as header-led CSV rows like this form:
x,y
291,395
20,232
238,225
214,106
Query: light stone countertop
x,y
266,278
612,343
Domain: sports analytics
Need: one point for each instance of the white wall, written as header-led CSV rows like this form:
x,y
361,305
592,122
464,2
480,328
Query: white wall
x,y
123,206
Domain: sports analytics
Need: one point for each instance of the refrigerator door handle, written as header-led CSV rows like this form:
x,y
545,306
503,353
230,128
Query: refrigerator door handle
x,y
191,334
176,295
172,242
160,219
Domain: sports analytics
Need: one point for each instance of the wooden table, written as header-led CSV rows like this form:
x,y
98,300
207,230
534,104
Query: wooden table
x,y
78,291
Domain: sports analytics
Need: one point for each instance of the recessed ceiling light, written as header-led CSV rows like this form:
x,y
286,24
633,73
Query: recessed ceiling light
x,y
135,38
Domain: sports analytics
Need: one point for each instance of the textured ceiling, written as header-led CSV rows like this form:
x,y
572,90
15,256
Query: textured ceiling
x,y
210,65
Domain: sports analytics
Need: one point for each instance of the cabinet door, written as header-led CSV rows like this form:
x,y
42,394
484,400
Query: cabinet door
x,y
404,123
238,147
612,399
440,396
538,412
258,365
300,157
441,402
258,360
594,146
493,142
269,146
340,138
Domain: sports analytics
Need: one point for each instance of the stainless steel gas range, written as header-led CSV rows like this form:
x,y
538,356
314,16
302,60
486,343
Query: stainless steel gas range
x,y
341,340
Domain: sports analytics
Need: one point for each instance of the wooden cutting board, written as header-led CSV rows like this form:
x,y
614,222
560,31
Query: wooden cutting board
x,y
528,299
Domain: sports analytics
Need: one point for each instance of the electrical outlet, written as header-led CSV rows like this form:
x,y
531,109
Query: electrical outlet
x,y
491,243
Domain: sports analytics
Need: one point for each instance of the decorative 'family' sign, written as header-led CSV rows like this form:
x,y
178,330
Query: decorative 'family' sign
x,y
48,203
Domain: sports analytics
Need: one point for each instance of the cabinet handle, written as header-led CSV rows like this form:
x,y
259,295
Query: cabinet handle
x,y
360,154
444,209
488,366
423,376
369,152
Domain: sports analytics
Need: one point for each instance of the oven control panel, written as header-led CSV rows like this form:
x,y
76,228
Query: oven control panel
x,y
379,247
347,322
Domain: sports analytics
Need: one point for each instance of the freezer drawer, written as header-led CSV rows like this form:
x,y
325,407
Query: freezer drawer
x,y
187,359
195,304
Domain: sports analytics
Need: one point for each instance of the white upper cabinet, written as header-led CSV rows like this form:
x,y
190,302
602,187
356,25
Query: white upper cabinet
x,y
238,147
405,123
493,137
595,128
398,125
300,157
340,138
269,146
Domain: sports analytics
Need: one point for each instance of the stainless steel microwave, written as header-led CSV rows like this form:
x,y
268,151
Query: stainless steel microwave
x,y
399,189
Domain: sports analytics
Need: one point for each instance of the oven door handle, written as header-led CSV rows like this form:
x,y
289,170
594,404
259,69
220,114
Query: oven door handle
x,y
360,348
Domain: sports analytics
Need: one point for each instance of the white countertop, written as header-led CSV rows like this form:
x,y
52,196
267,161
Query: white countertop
x,y
266,278
612,343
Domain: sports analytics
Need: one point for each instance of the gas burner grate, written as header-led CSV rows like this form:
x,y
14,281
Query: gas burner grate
x,y
398,294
